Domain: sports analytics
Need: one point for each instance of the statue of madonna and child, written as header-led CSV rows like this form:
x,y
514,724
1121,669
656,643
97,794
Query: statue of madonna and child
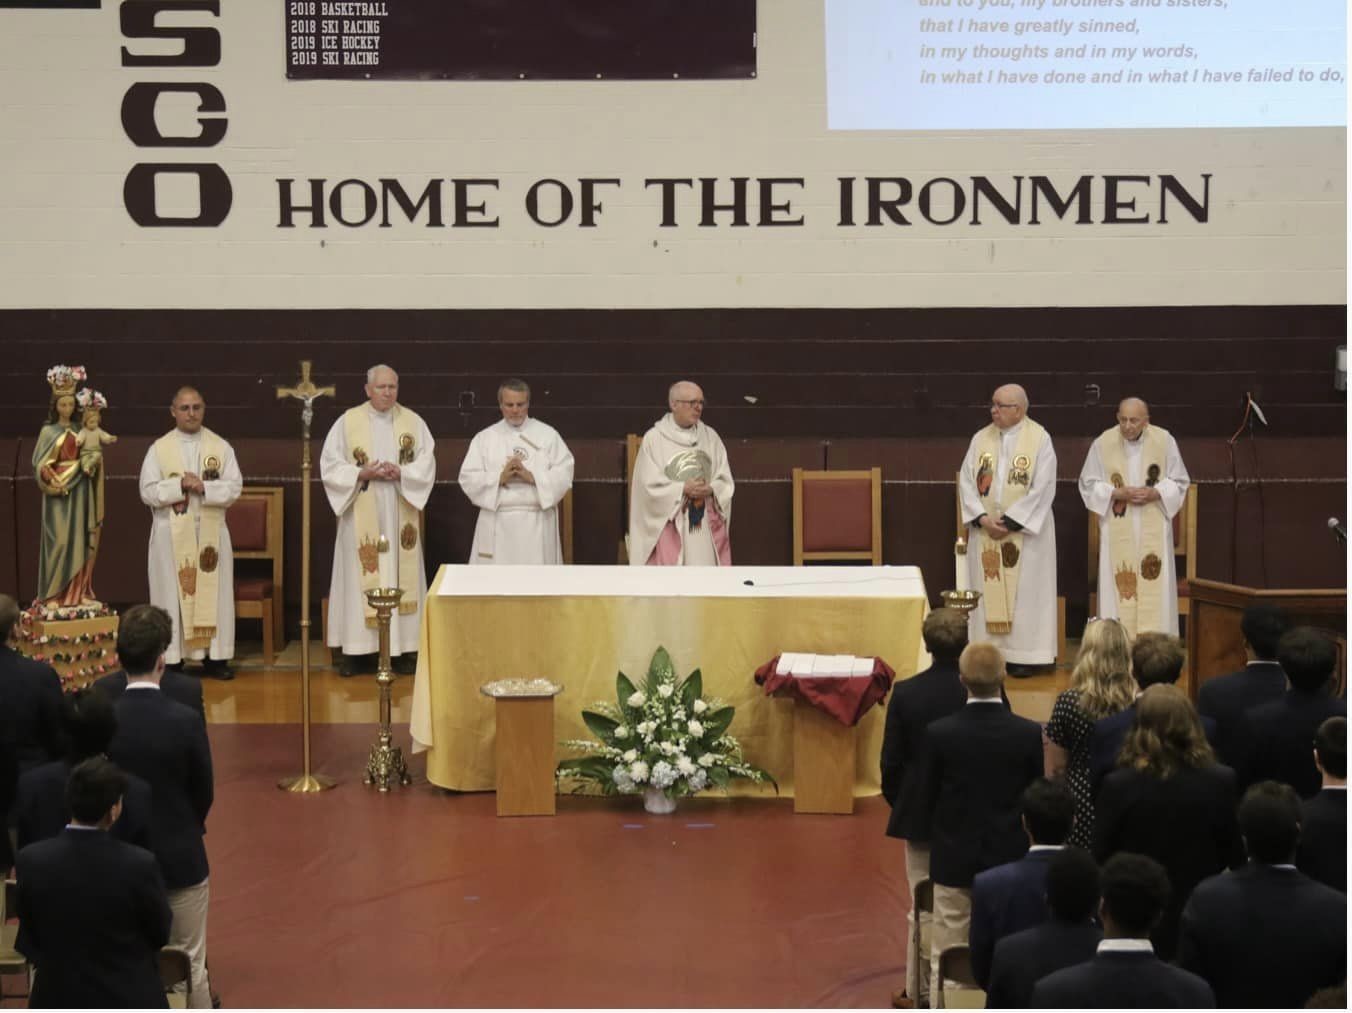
x,y
68,467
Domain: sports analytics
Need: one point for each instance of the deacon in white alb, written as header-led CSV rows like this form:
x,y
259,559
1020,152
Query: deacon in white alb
x,y
189,478
1007,484
516,472
680,506
378,469
1134,479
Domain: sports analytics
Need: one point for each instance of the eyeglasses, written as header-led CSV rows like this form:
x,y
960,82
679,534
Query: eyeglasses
x,y
1005,407
694,401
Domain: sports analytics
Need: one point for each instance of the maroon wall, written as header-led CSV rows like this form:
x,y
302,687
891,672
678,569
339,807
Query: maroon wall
x,y
903,389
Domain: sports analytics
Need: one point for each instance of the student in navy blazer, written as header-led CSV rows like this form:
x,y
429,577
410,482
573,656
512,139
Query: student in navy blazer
x,y
1156,659
93,911
1323,818
165,743
1266,936
175,685
32,694
1013,896
1125,973
1225,698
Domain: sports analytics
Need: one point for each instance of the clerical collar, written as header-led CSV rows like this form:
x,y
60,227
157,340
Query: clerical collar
x,y
1125,946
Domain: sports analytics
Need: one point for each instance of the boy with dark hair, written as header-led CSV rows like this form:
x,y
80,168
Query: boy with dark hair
x,y
1323,826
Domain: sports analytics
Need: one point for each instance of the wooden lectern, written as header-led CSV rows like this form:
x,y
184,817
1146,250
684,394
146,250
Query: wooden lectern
x,y
823,762
1215,643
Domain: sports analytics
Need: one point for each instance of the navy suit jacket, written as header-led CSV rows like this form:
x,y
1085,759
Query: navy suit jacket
x,y
93,914
32,695
1226,698
1277,740
1105,742
1025,958
165,744
183,688
916,702
1005,900
1124,981
1265,937
977,764
40,811
1323,838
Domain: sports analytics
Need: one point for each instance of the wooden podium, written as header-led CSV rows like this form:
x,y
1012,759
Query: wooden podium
x,y
1215,643
823,762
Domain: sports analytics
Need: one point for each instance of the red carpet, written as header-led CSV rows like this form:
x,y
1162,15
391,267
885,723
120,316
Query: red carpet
x,y
421,898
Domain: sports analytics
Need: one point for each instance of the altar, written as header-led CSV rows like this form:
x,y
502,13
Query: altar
x,y
580,625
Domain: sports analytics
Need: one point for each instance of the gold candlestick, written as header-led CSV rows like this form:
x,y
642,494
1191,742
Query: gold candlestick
x,y
306,393
386,764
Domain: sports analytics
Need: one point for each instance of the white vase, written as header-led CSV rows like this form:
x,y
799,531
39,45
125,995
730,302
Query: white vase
x,y
656,801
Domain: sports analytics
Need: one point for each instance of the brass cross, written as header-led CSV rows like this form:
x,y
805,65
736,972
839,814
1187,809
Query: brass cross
x,y
306,393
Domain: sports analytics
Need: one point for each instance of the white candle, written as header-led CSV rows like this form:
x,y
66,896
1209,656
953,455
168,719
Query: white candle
x,y
960,565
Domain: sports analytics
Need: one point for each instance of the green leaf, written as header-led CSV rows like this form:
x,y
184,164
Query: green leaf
x,y
716,722
624,689
661,668
719,778
691,690
602,727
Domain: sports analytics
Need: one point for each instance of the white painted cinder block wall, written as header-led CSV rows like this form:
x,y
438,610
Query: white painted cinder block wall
x,y
1276,235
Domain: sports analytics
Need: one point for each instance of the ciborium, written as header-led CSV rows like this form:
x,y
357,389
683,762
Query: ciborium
x,y
386,763
962,601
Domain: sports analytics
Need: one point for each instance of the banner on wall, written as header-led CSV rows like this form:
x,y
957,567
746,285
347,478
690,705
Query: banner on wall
x,y
511,40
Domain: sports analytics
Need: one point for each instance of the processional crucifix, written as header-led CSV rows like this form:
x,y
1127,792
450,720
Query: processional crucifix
x,y
306,393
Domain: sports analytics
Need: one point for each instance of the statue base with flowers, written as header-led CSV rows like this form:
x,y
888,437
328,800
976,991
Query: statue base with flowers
x,y
661,738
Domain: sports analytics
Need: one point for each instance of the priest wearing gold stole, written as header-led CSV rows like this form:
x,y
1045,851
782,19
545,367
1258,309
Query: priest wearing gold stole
x,y
189,478
378,468
680,506
516,472
1134,479
1007,484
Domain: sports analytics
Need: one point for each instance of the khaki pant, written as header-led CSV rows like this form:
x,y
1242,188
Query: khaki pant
x,y
188,932
952,923
917,971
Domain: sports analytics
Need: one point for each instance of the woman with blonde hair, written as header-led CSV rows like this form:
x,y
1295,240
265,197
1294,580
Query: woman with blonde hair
x,y
1171,800
1100,686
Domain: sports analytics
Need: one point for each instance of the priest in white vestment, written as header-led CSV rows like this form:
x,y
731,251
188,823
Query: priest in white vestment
x,y
1007,484
1134,479
378,468
680,504
516,472
189,478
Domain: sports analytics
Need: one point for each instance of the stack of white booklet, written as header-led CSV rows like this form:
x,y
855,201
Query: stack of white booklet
x,y
823,665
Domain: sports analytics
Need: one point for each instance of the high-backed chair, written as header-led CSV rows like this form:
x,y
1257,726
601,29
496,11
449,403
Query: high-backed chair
x,y
255,522
632,443
566,525
837,515
1185,545
966,532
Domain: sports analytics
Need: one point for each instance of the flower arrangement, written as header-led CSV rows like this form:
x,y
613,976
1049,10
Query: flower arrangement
x,y
662,735
63,379
90,397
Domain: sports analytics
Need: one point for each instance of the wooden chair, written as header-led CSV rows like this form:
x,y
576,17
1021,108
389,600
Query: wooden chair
x,y
837,515
965,533
566,525
955,965
922,903
632,443
1185,545
12,962
255,522
175,970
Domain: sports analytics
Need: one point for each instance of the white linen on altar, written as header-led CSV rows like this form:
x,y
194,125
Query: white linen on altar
x,y
679,581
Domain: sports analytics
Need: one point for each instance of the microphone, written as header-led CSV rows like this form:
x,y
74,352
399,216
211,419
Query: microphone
x,y
1339,532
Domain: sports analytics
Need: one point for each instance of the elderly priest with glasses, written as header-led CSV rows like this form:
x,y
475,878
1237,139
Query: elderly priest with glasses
x,y
680,506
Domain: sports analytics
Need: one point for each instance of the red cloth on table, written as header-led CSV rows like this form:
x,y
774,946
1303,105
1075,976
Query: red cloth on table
x,y
845,699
